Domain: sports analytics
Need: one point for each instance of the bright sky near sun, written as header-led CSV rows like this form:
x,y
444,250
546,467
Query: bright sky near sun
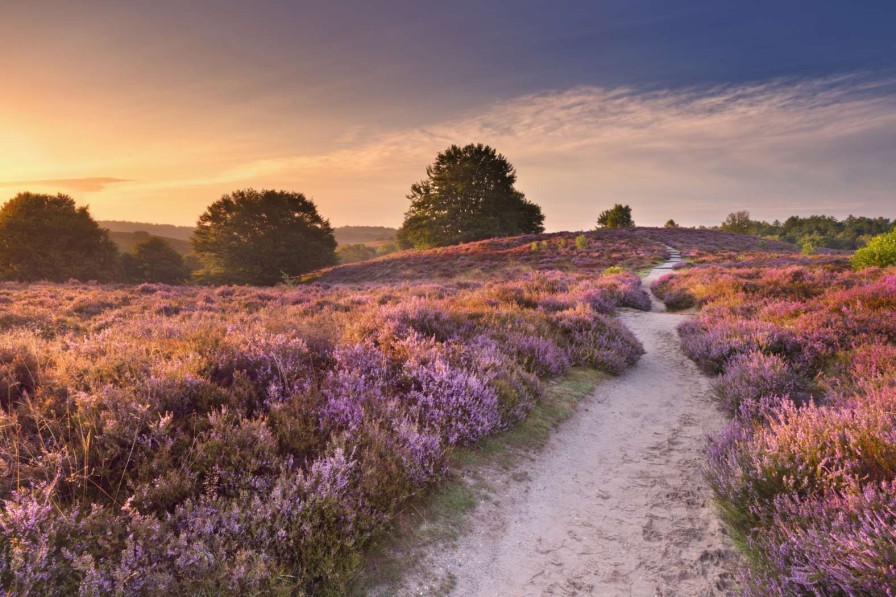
x,y
149,111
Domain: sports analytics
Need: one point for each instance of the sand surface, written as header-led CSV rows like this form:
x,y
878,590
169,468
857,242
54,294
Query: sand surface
x,y
616,503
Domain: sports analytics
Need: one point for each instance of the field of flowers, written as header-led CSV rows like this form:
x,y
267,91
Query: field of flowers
x,y
506,258
587,252
715,245
804,475
189,440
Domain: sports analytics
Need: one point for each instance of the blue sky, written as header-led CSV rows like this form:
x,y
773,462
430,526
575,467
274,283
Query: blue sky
x,y
694,107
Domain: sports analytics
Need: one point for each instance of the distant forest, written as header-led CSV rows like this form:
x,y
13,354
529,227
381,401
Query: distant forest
x,y
815,231
352,235
163,230
121,231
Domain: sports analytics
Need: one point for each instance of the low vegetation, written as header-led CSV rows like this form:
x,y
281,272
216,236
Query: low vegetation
x,y
184,440
507,258
879,252
805,472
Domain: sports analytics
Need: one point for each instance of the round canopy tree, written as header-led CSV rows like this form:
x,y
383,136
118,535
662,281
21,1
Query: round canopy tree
x,y
468,194
619,216
737,221
258,237
46,237
154,260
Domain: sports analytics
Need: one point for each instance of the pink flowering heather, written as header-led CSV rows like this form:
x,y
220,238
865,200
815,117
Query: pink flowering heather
x,y
753,376
833,544
806,487
183,440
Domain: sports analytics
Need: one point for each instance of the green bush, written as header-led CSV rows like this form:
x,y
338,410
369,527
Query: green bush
x,y
581,242
879,252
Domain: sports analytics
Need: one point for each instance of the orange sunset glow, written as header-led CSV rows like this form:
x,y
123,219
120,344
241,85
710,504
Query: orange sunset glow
x,y
150,115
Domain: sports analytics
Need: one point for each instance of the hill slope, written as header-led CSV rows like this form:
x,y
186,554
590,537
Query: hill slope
x,y
507,258
345,235
127,240
357,235
167,231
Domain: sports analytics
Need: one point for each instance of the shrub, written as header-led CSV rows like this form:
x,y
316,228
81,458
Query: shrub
x,y
753,376
835,543
619,216
154,260
803,487
673,296
879,252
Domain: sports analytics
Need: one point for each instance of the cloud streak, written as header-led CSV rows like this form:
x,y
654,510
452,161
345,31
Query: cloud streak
x,y
87,185
776,148
785,145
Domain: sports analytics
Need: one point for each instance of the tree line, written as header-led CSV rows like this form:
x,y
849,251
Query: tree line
x,y
812,232
263,237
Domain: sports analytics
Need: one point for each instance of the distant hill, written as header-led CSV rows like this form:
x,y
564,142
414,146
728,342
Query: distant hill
x,y
362,235
127,240
167,231
512,257
345,235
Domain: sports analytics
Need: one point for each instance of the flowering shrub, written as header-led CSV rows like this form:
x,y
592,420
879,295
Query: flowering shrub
x,y
879,252
753,376
804,473
591,252
183,440
832,544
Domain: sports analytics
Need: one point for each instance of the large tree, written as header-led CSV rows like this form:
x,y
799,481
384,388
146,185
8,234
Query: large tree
x,y
46,237
468,194
258,237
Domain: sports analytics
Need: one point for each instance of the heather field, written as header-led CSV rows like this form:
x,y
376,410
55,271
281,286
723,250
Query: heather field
x,y
200,440
584,253
803,351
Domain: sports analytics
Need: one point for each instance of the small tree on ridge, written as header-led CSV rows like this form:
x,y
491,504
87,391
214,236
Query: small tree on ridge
x,y
619,216
738,221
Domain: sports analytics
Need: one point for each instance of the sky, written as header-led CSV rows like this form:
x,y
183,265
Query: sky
x,y
150,111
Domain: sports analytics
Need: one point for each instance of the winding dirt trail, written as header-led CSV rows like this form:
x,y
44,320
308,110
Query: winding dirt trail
x,y
616,503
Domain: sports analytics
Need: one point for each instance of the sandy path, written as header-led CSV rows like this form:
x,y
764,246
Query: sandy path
x,y
615,504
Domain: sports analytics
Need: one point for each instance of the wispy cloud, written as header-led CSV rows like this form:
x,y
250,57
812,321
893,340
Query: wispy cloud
x,y
777,148
88,185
